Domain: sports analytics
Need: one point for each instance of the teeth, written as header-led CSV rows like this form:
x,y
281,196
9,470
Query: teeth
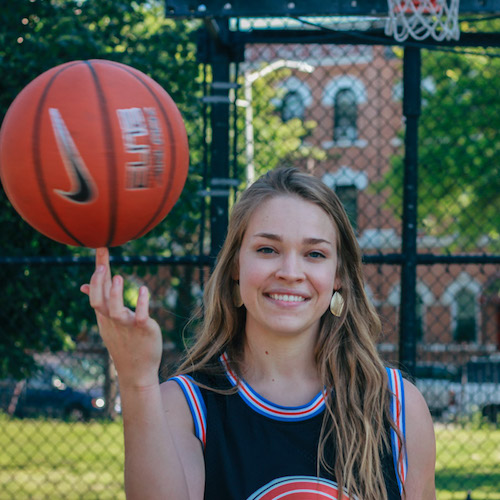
x,y
287,298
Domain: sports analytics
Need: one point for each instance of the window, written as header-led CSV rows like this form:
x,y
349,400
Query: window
x,y
292,106
465,328
346,116
348,195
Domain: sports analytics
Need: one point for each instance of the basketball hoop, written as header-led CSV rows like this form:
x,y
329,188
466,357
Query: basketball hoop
x,y
421,19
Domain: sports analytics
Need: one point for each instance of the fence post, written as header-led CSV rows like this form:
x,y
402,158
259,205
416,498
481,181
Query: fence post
x,y
220,59
411,112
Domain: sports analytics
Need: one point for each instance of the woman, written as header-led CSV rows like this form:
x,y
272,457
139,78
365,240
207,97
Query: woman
x,y
283,392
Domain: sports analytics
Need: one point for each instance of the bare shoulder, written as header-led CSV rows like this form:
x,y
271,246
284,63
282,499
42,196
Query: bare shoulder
x,y
414,400
175,404
420,445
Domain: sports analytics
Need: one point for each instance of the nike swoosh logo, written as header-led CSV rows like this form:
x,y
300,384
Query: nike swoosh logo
x,y
83,189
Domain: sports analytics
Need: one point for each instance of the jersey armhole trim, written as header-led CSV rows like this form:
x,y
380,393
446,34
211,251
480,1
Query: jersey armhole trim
x,y
398,416
196,405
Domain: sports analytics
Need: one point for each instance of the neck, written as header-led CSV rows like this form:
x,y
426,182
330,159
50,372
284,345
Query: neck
x,y
281,369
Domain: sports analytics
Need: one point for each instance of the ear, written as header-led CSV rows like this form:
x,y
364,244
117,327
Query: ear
x,y
337,284
235,273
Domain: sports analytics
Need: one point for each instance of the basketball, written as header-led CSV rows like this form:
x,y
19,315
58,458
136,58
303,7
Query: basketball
x,y
93,153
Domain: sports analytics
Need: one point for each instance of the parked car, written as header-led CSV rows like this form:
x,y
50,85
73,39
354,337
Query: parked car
x,y
480,388
438,383
53,391
452,392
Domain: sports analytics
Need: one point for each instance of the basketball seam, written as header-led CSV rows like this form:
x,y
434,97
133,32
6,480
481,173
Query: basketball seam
x,y
172,148
111,156
37,162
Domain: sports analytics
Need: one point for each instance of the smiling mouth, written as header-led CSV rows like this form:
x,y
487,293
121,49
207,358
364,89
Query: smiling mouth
x,y
286,298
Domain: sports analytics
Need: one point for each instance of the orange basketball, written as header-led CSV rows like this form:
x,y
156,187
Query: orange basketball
x,y
93,153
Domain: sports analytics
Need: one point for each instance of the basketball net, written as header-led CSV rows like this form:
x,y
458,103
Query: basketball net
x,y
421,19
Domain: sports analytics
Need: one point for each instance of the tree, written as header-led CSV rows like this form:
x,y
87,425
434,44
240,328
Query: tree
x,y
277,142
41,306
458,151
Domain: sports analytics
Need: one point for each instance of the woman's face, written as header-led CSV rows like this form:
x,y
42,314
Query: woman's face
x,y
287,267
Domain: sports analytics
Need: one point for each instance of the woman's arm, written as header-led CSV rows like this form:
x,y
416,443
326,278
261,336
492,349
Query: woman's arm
x,y
163,458
421,446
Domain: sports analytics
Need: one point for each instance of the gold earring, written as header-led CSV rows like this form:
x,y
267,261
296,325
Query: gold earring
x,y
337,304
238,302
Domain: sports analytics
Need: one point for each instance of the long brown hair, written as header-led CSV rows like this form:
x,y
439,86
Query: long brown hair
x,y
357,414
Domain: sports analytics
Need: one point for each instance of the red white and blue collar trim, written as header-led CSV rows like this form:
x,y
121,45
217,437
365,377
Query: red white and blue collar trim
x,y
269,409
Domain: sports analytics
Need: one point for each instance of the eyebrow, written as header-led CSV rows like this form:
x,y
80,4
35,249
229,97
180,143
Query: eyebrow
x,y
309,241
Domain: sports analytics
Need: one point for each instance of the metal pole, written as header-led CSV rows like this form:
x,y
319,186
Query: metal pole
x,y
411,112
250,78
219,160
249,134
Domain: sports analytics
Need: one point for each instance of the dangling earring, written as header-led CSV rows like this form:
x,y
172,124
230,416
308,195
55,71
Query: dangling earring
x,y
236,295
337,304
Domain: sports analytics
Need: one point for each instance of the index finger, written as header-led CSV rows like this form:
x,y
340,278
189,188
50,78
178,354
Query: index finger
x,y
102,259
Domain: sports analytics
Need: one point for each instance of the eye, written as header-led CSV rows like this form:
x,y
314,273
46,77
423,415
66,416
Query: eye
x,y
316,255
265,250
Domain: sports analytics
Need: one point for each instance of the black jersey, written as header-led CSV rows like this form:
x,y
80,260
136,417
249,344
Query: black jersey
x,y
257,450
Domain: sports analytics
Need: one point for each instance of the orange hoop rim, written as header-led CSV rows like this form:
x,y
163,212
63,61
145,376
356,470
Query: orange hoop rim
x,y
398,8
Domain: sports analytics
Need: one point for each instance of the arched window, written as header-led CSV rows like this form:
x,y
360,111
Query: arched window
x,y
345,116
424,298
292,106
465,326
348,195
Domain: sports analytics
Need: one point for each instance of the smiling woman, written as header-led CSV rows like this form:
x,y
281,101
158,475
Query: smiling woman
x,y
283,389
286,270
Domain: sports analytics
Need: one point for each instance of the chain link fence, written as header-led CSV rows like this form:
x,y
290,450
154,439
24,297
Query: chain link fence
x,y
335,110
61,434
339,109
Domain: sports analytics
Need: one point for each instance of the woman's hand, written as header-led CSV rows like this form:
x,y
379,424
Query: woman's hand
x,y
132,338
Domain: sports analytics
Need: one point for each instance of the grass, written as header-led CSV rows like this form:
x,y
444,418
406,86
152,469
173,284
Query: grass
x,y
45,459
468,459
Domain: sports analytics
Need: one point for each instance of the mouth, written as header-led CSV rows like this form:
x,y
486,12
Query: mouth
x,y
287,297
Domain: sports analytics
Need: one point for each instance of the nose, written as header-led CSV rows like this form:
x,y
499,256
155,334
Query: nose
x,y
290,267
